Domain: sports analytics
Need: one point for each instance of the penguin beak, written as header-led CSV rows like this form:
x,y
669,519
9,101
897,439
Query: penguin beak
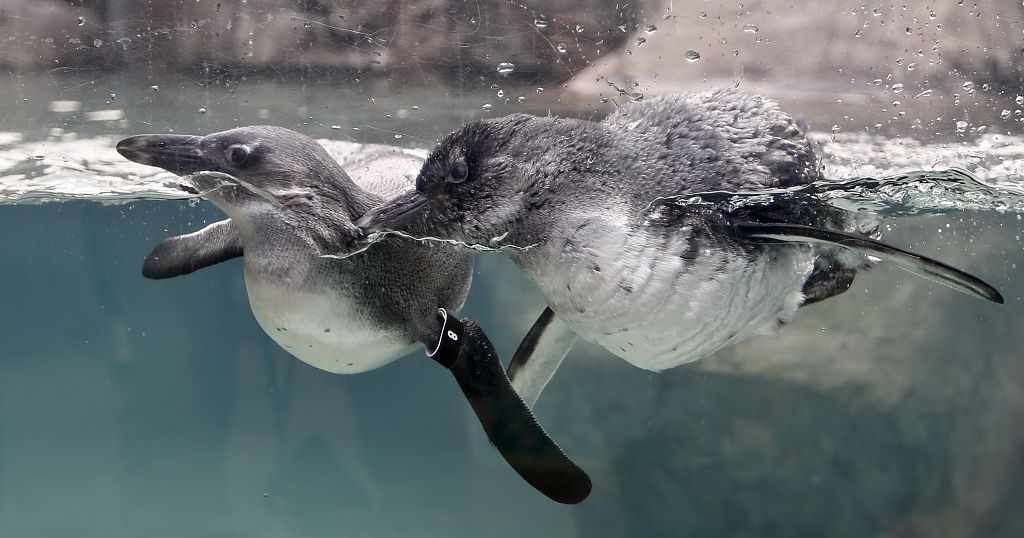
x,y
404,213
179,154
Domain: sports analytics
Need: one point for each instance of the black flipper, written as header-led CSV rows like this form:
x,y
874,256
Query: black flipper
x,y
183,254
539,355
923,266
465,351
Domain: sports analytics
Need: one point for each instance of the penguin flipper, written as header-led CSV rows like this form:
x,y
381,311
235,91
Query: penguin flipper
x,y
183,254
917,264
539,355
509,424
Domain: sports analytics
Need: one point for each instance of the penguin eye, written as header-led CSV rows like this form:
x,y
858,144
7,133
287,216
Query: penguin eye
x,y
458,173
237,154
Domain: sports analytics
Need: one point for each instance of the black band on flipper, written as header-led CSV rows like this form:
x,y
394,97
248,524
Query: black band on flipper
x,y
509,424
450,340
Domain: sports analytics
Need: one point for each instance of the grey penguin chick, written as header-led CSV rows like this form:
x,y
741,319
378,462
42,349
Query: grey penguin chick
x,y
592,212
292,207
341,315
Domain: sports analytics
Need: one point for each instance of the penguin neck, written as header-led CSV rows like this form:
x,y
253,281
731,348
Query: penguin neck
x,y
346,193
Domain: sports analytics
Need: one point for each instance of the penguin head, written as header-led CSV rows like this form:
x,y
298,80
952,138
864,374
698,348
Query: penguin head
x,y
477,185
249,169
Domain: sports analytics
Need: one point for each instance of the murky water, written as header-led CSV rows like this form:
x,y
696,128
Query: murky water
x,y
159,408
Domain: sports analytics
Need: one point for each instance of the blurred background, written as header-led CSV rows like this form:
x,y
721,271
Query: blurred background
x,y
139,408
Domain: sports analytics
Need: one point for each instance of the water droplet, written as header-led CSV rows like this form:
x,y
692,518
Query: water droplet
x,y
155,88
540,90
540,23
750,28
931,15
968,87
501,93
97,43
911,66
877,11
859,32
562,48
506,68
723,41
81,21
897,88
961,126
650,28
486,106
202,110
397,136
1005,114
521,99
307,24
640,41
1019,100
336,127
38,157
691,55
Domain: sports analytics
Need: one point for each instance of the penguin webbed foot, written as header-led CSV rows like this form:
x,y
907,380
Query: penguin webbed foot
x,y
511,427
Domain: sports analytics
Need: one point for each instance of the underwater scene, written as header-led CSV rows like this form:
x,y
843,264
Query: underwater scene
x,y
145,405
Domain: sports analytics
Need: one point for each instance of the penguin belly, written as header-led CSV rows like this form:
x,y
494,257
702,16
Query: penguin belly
x,y
652,302
325,328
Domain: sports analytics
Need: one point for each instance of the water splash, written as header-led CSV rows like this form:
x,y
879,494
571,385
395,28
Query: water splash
x,y
900,195
380,236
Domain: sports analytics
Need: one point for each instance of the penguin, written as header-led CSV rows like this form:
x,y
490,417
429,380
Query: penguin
x,y
596,215
291,210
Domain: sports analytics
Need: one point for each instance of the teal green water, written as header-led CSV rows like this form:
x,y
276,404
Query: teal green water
x,y
131,407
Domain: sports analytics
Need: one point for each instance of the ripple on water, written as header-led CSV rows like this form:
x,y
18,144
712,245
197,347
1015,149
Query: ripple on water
x,y
988,171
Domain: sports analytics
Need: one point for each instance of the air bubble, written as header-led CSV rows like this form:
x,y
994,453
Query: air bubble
x,y
81,21
562,48
961,126
897,88
540,23
750,29
691,55
506,68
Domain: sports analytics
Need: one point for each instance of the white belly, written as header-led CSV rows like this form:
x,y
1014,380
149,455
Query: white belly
x,y
641,300
324,328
